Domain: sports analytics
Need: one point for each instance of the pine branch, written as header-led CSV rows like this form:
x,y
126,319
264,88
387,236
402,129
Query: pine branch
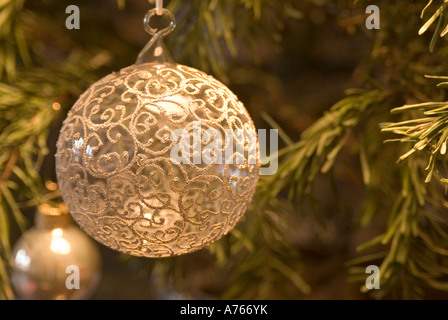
x,y
8,169
12,38
213,36
271,261
428,133
414,241
318,147
441,16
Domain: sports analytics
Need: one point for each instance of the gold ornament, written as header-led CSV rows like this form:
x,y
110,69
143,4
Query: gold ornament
x,y
49,257
158,159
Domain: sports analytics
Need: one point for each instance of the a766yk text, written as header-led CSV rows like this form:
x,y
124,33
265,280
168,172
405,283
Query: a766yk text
x,y
229,309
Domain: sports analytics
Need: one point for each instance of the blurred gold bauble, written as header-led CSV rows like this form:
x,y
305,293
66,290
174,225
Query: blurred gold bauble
x,y
43,259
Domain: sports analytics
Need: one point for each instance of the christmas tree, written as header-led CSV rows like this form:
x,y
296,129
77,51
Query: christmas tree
x,y
356,208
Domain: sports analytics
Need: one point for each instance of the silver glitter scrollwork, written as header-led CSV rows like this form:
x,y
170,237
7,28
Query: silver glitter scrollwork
x,y
115,166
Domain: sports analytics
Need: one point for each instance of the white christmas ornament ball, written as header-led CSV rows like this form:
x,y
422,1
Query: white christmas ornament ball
x,y
157,160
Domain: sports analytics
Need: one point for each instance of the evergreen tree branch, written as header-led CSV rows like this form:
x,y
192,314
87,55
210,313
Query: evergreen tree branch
x,y
414,241
441,16
427,133
318,147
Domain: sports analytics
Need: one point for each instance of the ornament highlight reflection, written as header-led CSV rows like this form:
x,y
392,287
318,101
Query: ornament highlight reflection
x,y
59,244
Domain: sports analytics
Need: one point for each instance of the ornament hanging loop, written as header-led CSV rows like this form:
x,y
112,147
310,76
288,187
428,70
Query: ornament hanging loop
x,y
153,31
155,50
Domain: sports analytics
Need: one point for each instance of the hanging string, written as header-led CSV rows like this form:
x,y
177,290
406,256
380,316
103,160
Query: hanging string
x,y
159,7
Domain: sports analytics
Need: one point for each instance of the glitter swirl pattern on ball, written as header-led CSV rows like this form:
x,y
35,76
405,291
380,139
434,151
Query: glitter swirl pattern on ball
x,y
115,167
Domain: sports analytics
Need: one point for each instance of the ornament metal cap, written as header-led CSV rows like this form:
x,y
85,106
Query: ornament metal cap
x,y
50,217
